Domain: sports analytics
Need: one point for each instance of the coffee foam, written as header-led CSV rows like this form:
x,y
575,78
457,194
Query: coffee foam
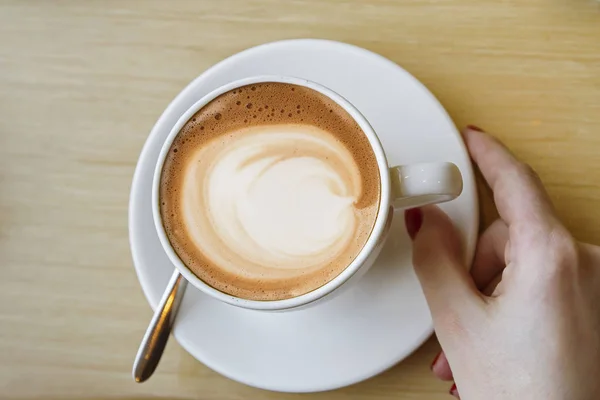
x,y
269,191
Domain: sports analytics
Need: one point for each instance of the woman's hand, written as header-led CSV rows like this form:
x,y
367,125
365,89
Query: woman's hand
x,y
525,323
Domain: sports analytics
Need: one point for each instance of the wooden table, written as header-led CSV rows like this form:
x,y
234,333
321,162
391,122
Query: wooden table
x,y
82,83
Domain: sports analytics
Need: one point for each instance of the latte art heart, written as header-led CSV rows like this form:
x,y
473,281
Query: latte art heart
x,y
269,191
278,197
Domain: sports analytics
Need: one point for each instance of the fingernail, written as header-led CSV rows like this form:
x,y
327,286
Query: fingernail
x,y
435,360
475,128
454,391
413,219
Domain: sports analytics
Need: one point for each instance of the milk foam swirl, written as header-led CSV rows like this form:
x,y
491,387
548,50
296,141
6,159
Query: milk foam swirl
x,y
271,200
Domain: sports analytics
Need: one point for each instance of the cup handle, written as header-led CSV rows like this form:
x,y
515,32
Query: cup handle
x,y
417,185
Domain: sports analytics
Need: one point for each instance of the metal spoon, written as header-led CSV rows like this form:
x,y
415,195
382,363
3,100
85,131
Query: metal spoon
x,y
156,336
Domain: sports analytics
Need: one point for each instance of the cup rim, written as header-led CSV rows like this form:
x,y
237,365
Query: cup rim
x,y
342,277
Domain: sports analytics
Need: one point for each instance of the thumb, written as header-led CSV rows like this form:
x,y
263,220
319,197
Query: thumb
x,y
439,264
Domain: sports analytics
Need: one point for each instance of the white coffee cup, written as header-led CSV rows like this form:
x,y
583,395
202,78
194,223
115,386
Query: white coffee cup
x,y
403,186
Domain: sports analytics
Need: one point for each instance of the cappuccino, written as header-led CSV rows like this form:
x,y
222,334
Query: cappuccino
x,y
269,191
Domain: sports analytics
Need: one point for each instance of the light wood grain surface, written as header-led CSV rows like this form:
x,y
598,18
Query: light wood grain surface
x,y
82,83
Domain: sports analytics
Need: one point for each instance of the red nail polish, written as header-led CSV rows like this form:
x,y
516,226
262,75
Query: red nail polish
x,y
413,219
475,128
454,391
435,360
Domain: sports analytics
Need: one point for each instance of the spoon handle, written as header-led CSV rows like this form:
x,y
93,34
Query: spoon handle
x,y
156,336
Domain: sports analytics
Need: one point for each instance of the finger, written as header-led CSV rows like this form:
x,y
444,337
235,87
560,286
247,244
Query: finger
x,y
441,368
454,391
494,288
489,260
439,265
518,193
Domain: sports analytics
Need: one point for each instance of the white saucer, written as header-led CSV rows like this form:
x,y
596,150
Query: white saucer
x,y
363,331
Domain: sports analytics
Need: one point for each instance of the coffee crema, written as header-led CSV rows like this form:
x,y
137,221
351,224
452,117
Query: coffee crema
x,y
269,191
